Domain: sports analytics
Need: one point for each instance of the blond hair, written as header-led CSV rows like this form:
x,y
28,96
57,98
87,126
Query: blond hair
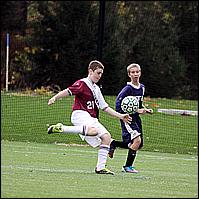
x,y
93,65
133,65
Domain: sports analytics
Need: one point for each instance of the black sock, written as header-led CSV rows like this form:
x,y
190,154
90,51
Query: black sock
x,y
130,158
121,144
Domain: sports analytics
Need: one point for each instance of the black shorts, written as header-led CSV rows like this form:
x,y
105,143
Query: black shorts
x,y
136,125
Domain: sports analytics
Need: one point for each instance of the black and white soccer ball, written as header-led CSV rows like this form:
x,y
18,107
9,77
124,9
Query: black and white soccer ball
x,y
130,104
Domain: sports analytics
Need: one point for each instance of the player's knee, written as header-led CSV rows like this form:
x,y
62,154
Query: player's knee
x,y
92,131
136,143
141,145
106,138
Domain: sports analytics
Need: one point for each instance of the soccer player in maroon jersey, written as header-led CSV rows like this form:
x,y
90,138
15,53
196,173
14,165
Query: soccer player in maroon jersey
x,y
85,114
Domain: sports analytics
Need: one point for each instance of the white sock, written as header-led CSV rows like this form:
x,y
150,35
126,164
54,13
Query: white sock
x,y
102,156
74,129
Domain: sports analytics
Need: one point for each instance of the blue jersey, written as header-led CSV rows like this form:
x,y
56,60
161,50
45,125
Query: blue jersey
x,y
136,124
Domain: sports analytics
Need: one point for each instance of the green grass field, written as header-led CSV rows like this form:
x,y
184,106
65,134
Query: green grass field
x,y
25,118
36,170
37,165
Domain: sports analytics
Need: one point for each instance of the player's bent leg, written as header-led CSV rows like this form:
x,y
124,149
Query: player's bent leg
x,y
112,149
82,129
114,144
106,138
142,143
135,143
91,131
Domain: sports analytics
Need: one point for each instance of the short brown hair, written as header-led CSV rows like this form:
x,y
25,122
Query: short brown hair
x,y
95,65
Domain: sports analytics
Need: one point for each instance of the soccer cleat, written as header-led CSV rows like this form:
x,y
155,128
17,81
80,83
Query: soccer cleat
x,y
57,128
104,171
129,169
112,149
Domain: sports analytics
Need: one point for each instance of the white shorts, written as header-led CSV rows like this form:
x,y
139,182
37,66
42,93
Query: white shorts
x,y
79,118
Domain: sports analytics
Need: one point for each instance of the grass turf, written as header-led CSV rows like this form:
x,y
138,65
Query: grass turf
x,y
39,170
25,118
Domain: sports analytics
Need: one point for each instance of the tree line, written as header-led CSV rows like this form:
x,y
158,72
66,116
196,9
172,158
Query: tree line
x,y
57,40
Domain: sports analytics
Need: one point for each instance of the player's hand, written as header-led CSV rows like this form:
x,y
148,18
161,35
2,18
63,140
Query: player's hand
x,y
127,118
149,110
145,110
141,110
51,101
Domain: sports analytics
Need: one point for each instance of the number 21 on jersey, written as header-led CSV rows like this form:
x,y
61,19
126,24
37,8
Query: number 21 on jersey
x,y
90,104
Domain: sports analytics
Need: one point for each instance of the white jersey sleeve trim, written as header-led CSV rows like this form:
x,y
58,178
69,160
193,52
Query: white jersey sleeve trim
x,y
99,99
69,92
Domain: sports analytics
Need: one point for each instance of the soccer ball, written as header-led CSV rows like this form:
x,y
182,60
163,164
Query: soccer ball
x,y
130,104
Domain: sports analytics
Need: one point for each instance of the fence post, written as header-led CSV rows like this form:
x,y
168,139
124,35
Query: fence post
x,y
7,59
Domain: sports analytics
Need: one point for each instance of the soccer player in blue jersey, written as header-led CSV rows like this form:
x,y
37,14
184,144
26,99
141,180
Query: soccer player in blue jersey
x,y
132,136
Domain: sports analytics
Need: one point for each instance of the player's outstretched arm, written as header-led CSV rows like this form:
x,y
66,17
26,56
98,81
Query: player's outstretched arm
x,y
59,95
125,117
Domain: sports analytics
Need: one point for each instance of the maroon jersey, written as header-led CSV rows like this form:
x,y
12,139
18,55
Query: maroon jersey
x,y
88,97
